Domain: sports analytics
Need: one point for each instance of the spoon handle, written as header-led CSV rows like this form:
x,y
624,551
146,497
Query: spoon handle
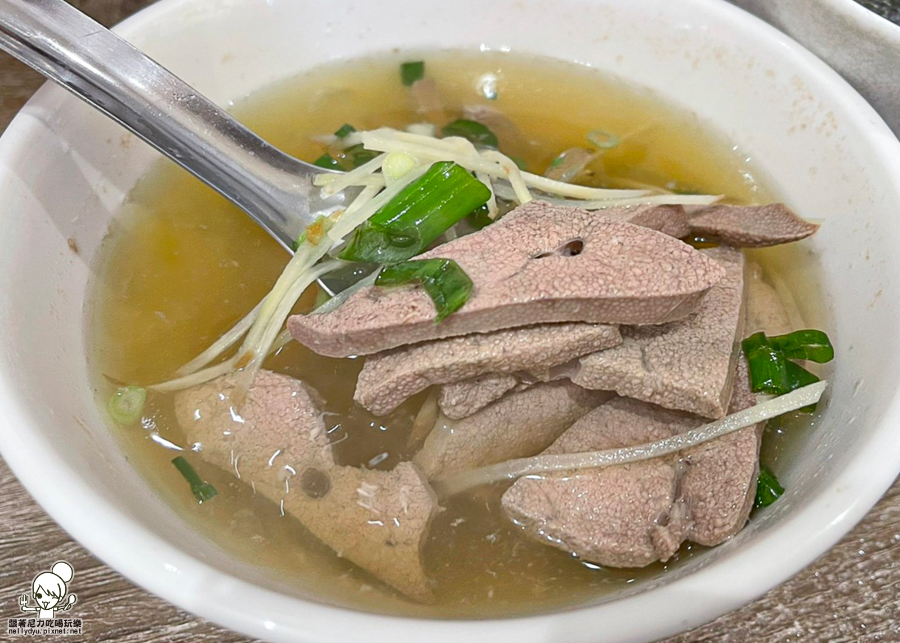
x,y
104,70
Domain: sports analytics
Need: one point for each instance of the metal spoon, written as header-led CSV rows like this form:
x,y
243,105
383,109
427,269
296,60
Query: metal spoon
x,y
105,71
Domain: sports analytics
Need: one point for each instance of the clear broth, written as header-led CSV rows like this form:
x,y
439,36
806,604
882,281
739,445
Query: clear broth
x,y
181,265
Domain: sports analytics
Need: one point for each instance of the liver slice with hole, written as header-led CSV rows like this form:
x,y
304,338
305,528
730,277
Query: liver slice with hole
x,y
632,515
538,264
750,226
390,377
277,442
520,424
685,365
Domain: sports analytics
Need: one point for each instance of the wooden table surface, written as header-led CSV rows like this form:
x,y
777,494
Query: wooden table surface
x,y
849,594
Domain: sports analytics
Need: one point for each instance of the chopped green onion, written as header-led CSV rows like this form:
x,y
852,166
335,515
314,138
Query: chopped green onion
x,y
472,131
798,376
127,404
357,155
768,367
445,282
345,130
768,489
411,72
602,140
755,342
350,158
810,344
480,218
768,359
201,489
328,162
418,215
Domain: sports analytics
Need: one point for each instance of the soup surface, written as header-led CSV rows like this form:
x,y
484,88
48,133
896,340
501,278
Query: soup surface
x,y
181,266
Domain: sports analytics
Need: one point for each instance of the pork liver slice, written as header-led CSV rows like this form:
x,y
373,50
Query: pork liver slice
x,y
685,365
658,363
520,424
668,219
538,264
389,378
623,516
277,442
462,399
720,480
750,226
765,310
632,515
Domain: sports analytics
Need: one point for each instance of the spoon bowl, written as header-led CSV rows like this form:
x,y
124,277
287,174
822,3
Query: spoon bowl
x,y
108,73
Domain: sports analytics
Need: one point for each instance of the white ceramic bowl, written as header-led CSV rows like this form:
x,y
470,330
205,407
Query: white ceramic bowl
x,y
64,172
860,44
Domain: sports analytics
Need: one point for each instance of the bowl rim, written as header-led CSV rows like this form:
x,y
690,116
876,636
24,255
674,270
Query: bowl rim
x,y
167,571
865,18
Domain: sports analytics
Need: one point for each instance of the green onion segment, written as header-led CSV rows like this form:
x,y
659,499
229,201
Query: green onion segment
x,y
411,72
344,130
126,406
472,131
419,214
356,155
602,140
813,345
770,365
445,282
201,489
480,218
328,162
768,489
348,159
